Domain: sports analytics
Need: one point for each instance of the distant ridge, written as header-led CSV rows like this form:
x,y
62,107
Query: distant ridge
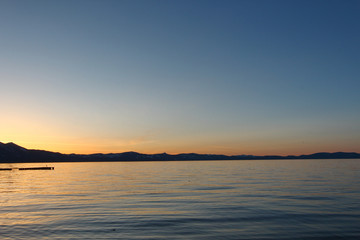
x,y
12,153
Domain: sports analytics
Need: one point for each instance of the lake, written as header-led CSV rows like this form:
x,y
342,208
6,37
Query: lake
x,y
269,199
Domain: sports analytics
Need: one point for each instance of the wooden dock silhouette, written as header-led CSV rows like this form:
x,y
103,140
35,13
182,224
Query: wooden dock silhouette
x,y
28,168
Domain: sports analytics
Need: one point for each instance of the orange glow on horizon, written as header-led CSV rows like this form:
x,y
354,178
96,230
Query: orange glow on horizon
x,y
91,148
37,133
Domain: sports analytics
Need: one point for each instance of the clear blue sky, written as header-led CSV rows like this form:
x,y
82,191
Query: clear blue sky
x,y
232,77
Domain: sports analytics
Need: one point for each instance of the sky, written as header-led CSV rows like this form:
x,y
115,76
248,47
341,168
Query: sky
x,y
223,77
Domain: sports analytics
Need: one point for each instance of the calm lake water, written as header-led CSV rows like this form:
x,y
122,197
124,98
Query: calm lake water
x,y
271,199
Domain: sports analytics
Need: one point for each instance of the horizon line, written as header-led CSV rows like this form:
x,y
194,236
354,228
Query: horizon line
x,y
233,155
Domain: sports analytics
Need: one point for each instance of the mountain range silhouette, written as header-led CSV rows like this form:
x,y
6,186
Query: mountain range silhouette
x,y
12,153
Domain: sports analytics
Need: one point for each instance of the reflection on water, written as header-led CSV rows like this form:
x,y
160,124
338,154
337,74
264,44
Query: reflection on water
x,y
277,199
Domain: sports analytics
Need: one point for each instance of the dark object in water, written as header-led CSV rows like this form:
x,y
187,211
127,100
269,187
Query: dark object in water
x,y
31,168
38,168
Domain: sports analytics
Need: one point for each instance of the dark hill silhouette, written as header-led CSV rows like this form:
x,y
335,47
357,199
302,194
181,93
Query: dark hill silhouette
x,y
12,153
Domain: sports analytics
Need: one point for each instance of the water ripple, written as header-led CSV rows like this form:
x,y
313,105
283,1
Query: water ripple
x,y
184,200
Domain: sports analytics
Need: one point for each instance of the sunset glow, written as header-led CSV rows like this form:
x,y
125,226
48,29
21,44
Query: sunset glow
x,y
233,77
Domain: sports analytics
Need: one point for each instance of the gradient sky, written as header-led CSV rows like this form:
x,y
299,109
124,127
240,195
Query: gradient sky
x,y
231,77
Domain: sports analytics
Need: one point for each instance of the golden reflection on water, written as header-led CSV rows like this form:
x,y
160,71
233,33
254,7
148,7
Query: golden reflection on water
x,y
96,192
